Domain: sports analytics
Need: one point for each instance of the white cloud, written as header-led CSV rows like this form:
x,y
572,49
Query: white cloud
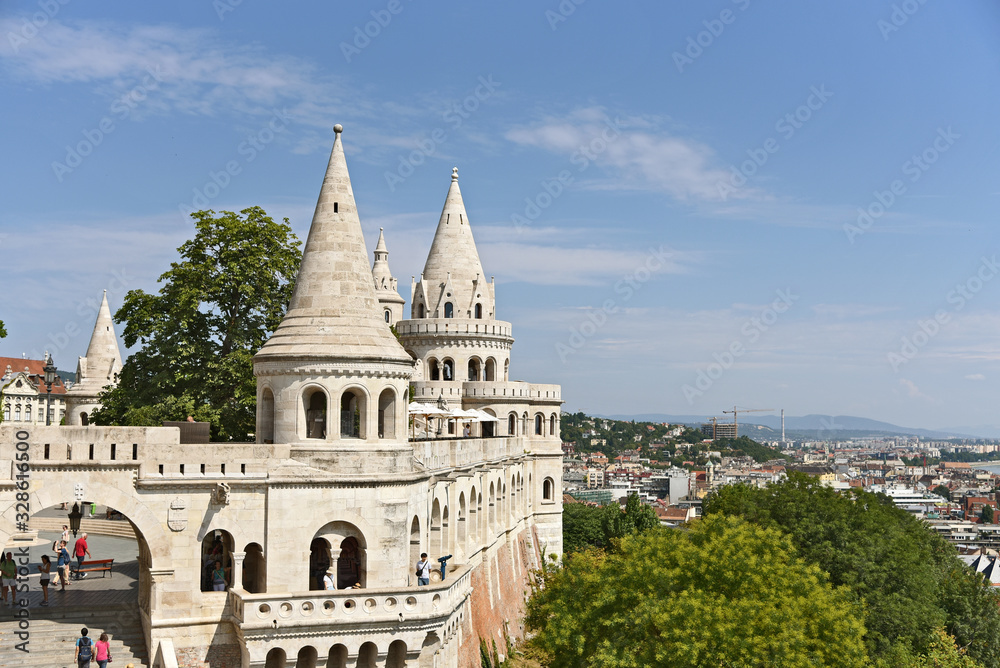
x,y
975,376
912,390
642,156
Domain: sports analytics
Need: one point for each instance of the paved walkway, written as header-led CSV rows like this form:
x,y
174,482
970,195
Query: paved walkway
x,y
121,586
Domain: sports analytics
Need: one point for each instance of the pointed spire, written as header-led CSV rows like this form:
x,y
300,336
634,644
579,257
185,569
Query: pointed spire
x,y
380,246
453,257
334,312
103,359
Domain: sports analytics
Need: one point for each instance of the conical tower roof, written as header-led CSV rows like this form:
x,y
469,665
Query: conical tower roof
x,y
334,313
453,249
103,359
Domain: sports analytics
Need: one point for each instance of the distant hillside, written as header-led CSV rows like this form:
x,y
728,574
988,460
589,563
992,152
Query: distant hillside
x,y
821,426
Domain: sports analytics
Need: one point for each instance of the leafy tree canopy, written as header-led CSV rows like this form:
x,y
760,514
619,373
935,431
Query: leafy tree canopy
x,y
747,447
582,527
909,580
3,330
217,307
725,593
943,491
637,517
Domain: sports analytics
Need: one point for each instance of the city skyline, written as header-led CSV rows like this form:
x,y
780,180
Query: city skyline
x,y
684,208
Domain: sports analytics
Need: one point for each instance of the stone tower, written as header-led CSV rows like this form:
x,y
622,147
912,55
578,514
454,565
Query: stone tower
x,y
453,331
385,284
95,371
332,378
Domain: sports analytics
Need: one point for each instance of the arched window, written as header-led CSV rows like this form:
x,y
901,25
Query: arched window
x,y
449,370
6,412
420,311
307,657
266,416
449,310
17,413
414,544
27,413
506,370
479,311
254,569
548,490
475,367
350,564
433,368
352,414
552,425
387,414
396,658
538,424
436,542
512,425
315,404
217,561
84,418
388,313
491,369
319,562
275,658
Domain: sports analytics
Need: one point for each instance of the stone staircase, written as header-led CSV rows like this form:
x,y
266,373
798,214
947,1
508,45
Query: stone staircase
x,y
53,633
98,527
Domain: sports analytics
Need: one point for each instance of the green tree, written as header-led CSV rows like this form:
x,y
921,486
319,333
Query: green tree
x,y
637,517
909,580
3,330
217,307
943,491
581,527
725,593
942,652
986,515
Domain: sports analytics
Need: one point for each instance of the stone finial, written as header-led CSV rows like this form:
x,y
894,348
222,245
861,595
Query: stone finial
x,y
338,128
454,173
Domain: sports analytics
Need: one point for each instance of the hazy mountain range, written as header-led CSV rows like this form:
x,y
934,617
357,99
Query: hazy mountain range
x,y
824,426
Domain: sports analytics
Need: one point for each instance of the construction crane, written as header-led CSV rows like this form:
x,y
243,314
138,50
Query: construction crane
x,y
736,411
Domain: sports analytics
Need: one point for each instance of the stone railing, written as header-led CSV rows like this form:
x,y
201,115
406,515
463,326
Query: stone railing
x,y
457,326
453,453
351,606
487,390
155,451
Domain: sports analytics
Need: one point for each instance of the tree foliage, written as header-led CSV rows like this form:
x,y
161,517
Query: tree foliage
x,y
198,335
3,330
943,491
582,527
744,446
725,593
909,580
986,515
636,517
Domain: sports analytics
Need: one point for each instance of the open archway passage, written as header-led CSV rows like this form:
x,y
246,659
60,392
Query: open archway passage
x,y
106,603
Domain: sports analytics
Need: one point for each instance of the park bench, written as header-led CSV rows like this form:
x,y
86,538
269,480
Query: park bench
x,y
97,565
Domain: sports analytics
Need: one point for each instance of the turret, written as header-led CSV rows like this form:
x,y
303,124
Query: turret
x,y
96,370
385,284
333,375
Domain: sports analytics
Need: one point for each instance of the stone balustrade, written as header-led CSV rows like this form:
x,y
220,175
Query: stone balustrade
x,y
430,390
438,326
456,453
259,612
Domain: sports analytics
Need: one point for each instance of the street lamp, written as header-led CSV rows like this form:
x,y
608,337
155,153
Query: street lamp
x,y
50,377
74,519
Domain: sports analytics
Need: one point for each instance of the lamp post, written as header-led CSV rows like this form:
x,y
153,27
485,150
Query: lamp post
x,y
74,519
50,377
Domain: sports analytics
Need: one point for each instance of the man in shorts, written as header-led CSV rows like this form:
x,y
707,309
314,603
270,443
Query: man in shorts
x,y
82,551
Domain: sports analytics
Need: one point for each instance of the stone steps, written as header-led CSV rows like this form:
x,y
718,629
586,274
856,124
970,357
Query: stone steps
x,y
53,633
99,527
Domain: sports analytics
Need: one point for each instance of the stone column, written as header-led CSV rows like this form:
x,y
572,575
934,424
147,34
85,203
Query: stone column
x,y
334,561
238,558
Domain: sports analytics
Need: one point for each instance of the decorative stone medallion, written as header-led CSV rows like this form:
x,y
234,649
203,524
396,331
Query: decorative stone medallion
x,y
177,517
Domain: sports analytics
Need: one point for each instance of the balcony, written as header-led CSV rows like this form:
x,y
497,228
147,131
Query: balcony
x,y
459,452
265,612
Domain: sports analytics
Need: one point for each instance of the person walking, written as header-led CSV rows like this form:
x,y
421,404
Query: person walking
x,y
4,582
84,649
81,550
423,570
102,651
65,534
43,579
62,565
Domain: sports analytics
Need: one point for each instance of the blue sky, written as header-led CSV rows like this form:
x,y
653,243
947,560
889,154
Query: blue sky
x,y
669,194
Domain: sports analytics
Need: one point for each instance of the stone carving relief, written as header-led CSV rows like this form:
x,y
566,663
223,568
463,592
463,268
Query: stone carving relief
x,y
221,494
177,516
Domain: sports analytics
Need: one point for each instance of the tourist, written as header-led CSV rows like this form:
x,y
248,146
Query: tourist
x,y
102,651
423,570
43,579
8,576
62,565
65,534
84,649
219,577
328,583
81,551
